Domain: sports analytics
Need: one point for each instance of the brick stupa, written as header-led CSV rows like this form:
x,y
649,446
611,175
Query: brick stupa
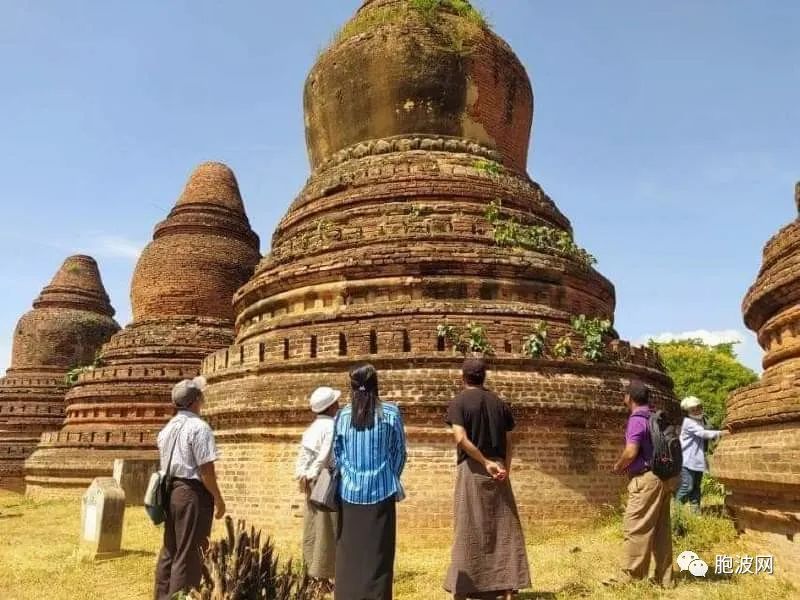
x,y
181,298
415,123
760,463
71,319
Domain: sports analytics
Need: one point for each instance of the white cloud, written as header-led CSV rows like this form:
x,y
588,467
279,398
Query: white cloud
x,y
712,338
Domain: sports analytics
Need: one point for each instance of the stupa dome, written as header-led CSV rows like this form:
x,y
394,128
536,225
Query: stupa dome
x,y
396,71
200,254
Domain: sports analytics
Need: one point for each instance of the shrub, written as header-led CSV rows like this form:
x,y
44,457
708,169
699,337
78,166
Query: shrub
x,y
534,345
592,331
240,567
471,339
563,347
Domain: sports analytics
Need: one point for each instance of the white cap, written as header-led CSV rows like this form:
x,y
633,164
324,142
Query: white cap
x,y
690,403
323,398
187,391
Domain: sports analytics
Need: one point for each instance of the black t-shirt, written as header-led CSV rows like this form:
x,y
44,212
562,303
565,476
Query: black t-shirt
x,y
486,419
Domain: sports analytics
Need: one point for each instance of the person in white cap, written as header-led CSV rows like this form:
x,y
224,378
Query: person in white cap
x,y
187,445
319,527
694,443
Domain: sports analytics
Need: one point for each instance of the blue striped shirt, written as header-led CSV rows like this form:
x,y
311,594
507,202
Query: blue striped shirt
x,y
370,461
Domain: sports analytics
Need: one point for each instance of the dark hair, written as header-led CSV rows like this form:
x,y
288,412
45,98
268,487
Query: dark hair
x,y
364,385
638,392
474,371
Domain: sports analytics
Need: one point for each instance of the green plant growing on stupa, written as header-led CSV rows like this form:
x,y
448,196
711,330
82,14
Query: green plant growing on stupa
x,y
592,331
472,338
491,167
533,346
563,347
507,231
73,375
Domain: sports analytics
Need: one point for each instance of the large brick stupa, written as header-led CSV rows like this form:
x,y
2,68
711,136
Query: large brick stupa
x,y
71,319
760,463
181,298
417,126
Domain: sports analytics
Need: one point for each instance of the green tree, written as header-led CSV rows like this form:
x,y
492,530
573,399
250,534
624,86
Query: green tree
x,y
709,372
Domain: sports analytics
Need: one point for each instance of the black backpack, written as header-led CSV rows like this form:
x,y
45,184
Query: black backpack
x,y
667,458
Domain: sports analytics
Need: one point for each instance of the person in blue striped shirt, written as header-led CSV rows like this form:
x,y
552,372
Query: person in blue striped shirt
x,y
370,453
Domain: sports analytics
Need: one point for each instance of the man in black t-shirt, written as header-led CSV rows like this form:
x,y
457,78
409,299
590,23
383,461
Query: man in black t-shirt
x,y
489,555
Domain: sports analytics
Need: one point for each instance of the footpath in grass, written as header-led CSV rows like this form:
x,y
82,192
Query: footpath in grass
x,y
38,543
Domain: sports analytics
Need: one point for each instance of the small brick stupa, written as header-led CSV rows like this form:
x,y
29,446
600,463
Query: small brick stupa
x,y
70,320
417,124
181,298
760,463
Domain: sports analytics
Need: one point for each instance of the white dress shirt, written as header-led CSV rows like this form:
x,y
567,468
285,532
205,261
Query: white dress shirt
x,y
195,445
315,448
693,443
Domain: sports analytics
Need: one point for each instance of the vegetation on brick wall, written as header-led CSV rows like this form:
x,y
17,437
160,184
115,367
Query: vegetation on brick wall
x,y
507,231
241,567
563,347
471,338
533,346
710,373
592,331
457,32
72,376
492,167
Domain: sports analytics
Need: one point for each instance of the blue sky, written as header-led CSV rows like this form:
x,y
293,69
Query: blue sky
x,y
666,131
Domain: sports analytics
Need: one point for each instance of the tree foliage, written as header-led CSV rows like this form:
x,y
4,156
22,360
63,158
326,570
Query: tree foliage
x,y
710,373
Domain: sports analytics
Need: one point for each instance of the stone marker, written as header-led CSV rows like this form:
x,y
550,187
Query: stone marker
x,y
102,513
133,475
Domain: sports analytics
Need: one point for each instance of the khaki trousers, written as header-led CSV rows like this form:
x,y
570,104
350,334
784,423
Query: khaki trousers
x,y
647,529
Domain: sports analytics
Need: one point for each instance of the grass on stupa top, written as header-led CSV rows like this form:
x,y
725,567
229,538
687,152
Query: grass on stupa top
x,y
37,560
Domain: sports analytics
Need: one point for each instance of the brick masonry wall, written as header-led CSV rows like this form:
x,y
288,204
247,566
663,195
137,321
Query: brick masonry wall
x,y
760,463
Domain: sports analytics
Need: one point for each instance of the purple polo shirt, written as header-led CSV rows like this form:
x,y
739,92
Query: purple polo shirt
x,y
638,433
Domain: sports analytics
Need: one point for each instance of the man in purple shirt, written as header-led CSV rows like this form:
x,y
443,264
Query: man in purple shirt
x,y
646,525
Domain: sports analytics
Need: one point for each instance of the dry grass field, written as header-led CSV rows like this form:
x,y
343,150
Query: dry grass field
x,y
38,561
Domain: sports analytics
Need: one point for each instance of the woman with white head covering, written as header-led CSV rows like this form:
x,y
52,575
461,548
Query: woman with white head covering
x,y
694,442
315,454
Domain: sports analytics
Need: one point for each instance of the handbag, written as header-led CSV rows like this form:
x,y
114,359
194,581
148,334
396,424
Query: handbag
x,y
325,493
156,497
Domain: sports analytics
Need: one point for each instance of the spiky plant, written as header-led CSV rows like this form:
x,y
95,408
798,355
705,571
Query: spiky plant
x,y
240,567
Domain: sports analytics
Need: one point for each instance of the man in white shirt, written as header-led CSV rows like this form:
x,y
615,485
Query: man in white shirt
x,y
694,443
319,527
188,451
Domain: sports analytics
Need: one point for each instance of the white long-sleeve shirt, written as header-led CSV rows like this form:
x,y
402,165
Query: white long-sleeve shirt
x,y
694,436
315,448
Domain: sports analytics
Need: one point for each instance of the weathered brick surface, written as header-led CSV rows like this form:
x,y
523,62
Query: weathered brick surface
x,y
388,239
70,320
181,297
760,462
